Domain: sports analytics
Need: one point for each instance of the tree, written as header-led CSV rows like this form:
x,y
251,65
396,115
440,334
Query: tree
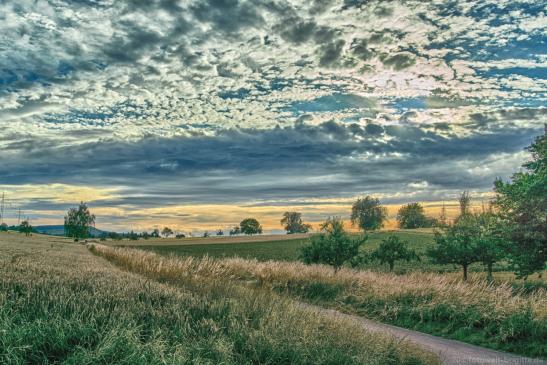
x,y
25,228
155,233
465,203
78,221
235,231
457,244
250,226
220,232
412,216
166,232
206,234
333,246
367,213
3,227
522,205
490,241
393,249
292,221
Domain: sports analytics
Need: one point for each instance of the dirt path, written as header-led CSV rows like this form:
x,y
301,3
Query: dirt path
x,y
450,352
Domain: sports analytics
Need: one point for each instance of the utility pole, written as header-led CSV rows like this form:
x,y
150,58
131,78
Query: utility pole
x,y
19,217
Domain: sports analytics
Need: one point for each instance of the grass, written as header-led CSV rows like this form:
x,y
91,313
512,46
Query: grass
x,y
289,249
59,304
495,316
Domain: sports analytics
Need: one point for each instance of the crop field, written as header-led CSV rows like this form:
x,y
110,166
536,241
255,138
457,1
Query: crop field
x,y
287,248
62,304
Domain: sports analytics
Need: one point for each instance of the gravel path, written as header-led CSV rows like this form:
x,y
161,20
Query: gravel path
x,y
451,352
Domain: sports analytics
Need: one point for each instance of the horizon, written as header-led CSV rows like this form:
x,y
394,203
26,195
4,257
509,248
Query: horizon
x,y
197,115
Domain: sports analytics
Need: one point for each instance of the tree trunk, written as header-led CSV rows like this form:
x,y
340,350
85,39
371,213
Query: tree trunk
x,y
489,276
464,272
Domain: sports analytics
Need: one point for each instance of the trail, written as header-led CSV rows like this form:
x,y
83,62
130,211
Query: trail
x,y
450,352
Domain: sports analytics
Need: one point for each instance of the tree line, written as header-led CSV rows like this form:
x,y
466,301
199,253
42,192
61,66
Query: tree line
x,y
513,229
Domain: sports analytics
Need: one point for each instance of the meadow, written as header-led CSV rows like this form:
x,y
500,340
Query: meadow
x,y
62,304
501,316
287,248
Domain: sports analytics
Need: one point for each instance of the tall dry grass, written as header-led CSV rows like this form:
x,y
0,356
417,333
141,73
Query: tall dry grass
x,y
491,315
61,305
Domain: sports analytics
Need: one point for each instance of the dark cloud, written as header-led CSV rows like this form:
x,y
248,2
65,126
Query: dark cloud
x,y
398,61
280,163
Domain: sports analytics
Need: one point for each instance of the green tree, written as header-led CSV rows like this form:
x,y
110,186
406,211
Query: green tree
x,y
465,203
3,227
522,205
332,246
489,244
78,221
250,226
456,244
25,228
235,231
155,233
166,232
220,232
368,214
412,216
392,249
292,221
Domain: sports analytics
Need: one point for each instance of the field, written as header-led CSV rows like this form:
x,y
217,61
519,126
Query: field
x,y
61,304
287,248
495,316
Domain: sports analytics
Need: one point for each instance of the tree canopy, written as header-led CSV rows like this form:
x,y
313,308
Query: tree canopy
x,y
522,205
292,222
412,215
368,214
333,246
393,249
78,221
250,226
25,228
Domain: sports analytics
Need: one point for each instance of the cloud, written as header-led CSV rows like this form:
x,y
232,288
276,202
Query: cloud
x,y
228,100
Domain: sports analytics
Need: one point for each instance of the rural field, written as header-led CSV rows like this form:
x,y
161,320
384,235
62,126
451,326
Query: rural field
x,y
288,247
62,304
508,315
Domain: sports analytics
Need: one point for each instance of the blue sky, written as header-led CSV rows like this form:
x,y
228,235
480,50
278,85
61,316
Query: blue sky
x,y
198,113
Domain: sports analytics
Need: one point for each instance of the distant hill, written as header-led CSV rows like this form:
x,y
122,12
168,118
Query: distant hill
x,y
60,230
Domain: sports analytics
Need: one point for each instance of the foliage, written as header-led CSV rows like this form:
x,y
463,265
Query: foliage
x,y
155,233
78,221
412,216
522,204
333,246
25,228
220,232
368,214
457,244
292,222
166,232
465,203
3,227
250,226
235,231
393,249
489,243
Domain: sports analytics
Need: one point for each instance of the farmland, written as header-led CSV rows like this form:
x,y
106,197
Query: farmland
x,y
60,304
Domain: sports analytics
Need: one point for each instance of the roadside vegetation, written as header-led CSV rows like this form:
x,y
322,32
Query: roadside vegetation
x,y
59,304
477,312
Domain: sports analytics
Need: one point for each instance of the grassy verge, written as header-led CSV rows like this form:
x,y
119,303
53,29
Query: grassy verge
x,y
496,316
61,305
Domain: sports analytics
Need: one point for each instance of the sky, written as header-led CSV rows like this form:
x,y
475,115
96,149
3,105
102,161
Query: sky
x,y
197,114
